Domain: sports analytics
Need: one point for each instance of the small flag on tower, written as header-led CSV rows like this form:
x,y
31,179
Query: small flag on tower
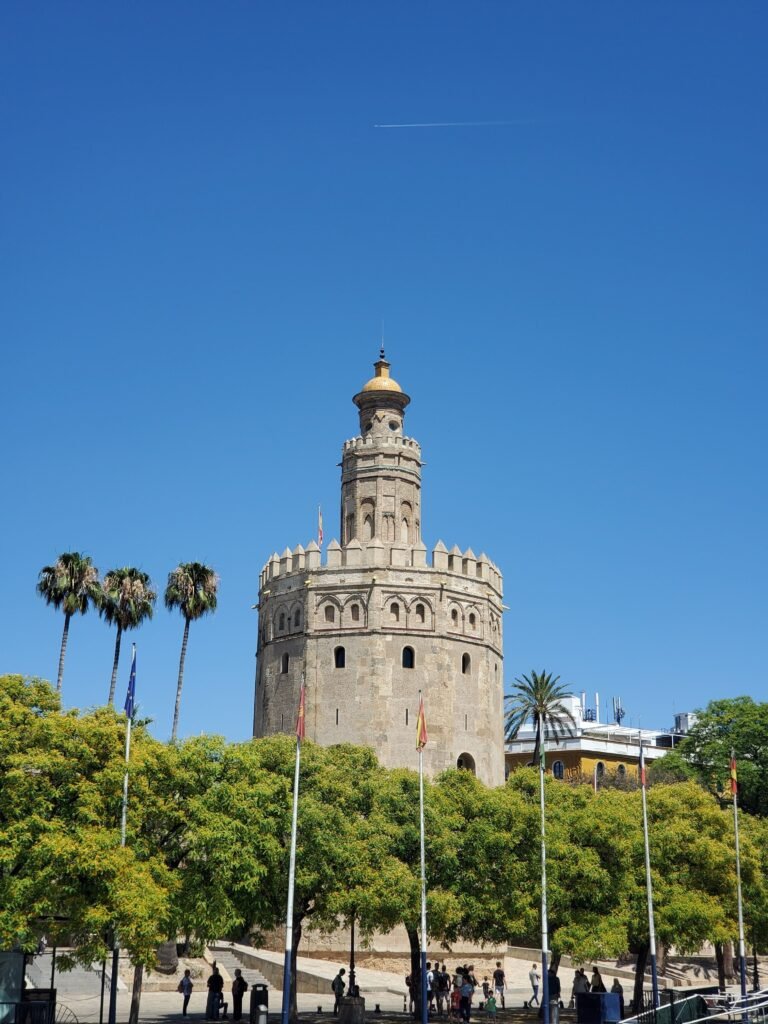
x,y
734,778
319,526
642,766
421,727
131,695
300,719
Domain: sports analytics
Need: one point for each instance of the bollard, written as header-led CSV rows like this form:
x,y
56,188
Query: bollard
x,y
319,1009
378,1009
261,1017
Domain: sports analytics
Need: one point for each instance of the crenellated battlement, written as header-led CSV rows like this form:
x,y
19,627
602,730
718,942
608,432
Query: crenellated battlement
x,y
389,441
375,554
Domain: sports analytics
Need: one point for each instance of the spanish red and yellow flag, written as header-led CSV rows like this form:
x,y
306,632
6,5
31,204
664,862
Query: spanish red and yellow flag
x,y
421,727
300,719
734,779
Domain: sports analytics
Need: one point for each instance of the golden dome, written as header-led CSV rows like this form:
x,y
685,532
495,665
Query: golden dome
x,y
382,381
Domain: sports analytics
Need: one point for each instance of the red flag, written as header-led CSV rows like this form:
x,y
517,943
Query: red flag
x,y
300,719
642,767
734,779
319,526
421,727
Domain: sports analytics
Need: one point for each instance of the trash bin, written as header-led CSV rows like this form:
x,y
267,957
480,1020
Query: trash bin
x,y
259,1002
597,1008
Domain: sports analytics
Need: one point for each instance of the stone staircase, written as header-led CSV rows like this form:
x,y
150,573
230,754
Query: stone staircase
x,y
229,960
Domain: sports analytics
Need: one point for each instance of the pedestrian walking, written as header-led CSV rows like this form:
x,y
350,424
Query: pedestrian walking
x,y
499,983
185,987
533,976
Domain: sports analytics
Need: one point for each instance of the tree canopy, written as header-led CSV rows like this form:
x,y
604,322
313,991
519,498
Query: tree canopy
x,y
208,843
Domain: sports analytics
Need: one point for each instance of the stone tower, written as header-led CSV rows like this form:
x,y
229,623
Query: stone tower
x,y
376,622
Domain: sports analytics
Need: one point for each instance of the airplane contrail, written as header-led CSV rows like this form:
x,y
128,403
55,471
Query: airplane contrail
x,y
449,124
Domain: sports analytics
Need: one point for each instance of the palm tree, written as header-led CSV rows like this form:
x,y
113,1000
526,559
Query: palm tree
x,y
127,599
541,699
72,584
192,589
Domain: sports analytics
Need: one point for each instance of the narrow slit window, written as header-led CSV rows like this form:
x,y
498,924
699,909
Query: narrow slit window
x,y
409,657
340,658
466,664
284,661
337,716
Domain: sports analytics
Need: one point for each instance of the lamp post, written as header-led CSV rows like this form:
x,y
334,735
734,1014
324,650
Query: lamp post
x,y
352,979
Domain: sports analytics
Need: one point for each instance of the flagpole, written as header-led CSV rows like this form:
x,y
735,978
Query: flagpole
x,y
424,1006
123,820
544,922
742,956
648,883
292,866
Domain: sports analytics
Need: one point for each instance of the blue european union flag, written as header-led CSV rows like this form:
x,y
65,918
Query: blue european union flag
x,y
131,696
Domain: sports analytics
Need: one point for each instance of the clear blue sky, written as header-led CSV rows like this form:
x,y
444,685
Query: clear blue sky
x,y
201,231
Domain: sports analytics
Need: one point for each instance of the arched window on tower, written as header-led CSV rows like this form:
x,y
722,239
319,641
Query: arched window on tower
x,y
368,527
394,611
472,620
354,611
420,614
339,658
284,661
330,613
409,657
454,617
296,619
281,622
404,531
466,664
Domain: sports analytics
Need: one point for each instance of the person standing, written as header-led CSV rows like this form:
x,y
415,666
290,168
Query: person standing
x,y
467,991
215,988
533,975
239,988
338,985
185,987
617,989
554,996
499,983
597,984
443,991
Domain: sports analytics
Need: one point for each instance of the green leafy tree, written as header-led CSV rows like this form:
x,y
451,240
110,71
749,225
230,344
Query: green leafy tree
x,y
127,599
61,862
193,589
538,698
741,724
72,585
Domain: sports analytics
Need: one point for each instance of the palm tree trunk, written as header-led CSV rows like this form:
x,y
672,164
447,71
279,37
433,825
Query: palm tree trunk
x,y
180,682
63,651
113,684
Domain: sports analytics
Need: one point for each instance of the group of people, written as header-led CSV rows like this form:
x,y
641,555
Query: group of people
x,y
581,984
215,1003
451,995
